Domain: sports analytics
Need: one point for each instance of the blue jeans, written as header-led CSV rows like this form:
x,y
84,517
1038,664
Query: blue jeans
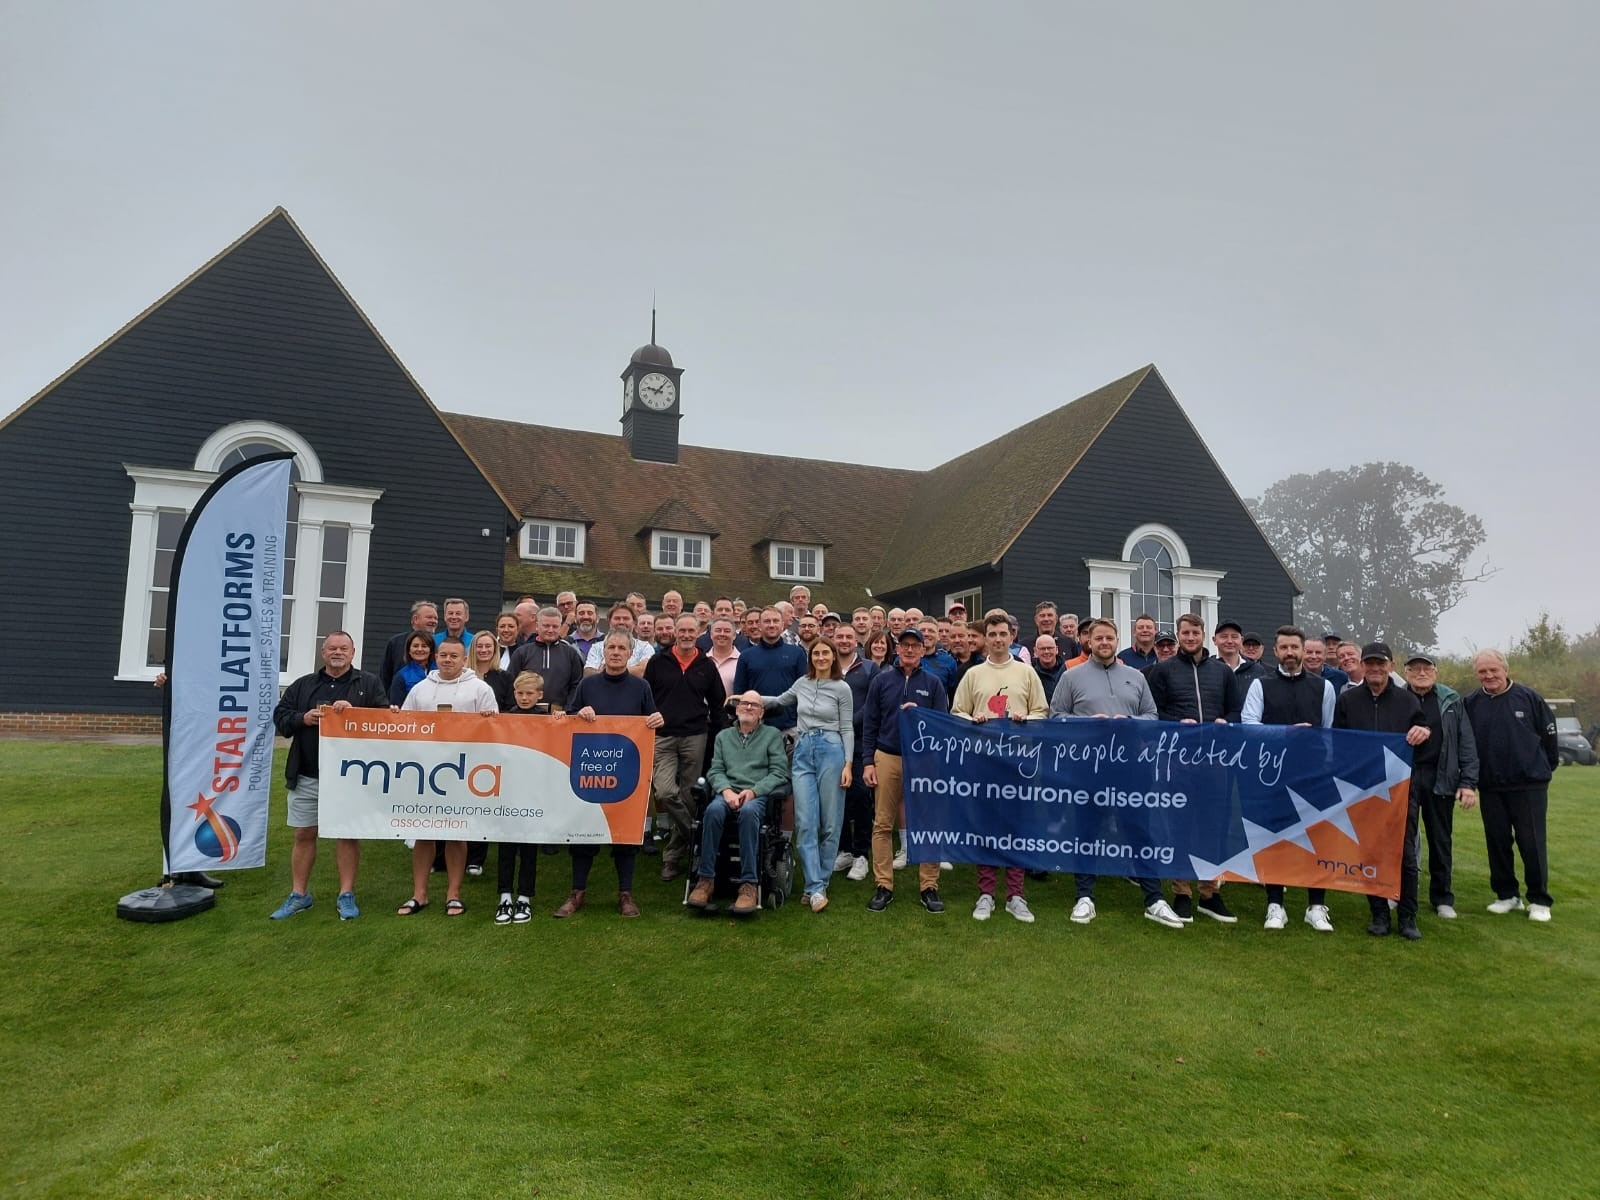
x,y
749,818
818,805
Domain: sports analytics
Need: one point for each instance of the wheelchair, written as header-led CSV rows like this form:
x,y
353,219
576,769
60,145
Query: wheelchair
x,y
774,868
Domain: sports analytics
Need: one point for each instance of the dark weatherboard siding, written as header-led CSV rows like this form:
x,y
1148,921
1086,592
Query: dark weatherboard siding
x,y
263,333
1148,465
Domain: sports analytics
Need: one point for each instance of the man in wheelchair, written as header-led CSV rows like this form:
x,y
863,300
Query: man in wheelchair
x,y
748,765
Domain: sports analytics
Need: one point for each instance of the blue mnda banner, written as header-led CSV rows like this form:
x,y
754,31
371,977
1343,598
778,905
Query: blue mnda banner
x,y
223,616
1257,803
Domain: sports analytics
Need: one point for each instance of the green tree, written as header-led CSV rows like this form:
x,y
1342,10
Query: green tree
x,y
1377,549
1544,641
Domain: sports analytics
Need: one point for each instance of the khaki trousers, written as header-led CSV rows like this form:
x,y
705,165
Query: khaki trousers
x,y
886,808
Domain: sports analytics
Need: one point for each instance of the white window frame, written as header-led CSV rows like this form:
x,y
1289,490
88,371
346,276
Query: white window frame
x,y
678,568
157,488
972,598
772,561
1189,583
525,541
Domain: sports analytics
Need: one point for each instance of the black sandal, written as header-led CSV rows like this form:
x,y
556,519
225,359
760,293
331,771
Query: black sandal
x,y
454,908
411,907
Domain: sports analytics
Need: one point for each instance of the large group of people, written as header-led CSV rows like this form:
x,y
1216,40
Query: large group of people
x,y
798,700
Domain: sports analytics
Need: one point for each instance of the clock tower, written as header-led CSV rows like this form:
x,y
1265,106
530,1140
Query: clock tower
x,y
650,412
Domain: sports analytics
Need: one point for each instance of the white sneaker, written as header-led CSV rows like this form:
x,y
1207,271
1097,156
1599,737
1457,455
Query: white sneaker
x,y
843,861
984,908
900,859
1018,908
1393,905
947,866
1317,918
1161,913
1083,911
1277,918
1510,904
859,868
1445,913
1538,912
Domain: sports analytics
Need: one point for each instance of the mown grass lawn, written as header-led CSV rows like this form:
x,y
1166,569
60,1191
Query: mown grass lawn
x,y
843,1055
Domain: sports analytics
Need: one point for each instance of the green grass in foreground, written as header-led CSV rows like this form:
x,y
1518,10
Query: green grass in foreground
x,y
847,1054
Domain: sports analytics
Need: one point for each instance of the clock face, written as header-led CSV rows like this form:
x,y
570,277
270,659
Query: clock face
x,y
627,392
657,391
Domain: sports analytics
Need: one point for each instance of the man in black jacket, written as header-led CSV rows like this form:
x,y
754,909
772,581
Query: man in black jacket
x,y
1195,688
1377,706
424,619
336,687
690,697
552,657
1444,772
1517,754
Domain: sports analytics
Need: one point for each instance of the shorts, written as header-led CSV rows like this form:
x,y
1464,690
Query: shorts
x,y
303,802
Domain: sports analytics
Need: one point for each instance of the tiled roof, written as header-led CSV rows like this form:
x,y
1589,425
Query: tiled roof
x,y
740,496
884,528
967,512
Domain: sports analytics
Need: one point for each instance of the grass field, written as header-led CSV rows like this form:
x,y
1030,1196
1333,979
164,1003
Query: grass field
x,y
846,1054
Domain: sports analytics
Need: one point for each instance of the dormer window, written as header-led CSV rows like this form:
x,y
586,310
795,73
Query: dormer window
x,y
793,561
552,541
688,553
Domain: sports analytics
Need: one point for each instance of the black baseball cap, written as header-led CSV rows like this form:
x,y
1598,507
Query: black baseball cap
x,y
913,634
1376,650
1421,658
1233,625
1253,639
1166,635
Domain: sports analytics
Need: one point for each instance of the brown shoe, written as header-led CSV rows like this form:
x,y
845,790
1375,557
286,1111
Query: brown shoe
x,y
700,895
747,902
573,903
625,904
669,872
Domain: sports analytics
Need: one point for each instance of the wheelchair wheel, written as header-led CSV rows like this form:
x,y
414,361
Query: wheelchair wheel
x,y
775,897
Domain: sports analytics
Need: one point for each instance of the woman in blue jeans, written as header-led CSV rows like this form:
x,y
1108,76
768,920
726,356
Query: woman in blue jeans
x,y
821,767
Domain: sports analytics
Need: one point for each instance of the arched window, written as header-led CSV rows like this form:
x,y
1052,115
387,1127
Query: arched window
x,y
1152,581
326,543
1155,575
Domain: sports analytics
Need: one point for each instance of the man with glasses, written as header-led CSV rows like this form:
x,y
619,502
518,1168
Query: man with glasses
x,y
748,764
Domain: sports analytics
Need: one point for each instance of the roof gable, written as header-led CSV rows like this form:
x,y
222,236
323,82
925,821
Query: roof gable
x,y
967,512
277,239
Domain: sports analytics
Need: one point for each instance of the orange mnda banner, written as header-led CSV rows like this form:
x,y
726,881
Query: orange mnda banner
x,y
476,777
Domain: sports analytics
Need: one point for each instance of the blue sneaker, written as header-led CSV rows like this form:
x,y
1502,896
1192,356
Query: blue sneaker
x,y
346,904
297,902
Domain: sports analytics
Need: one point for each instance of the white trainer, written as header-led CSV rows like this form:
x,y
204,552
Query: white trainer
x,y
1445,912
900,859
1508,905
1083,911
947,866
1538,912
1277,918
984,908
1161,913
859,868
843,861
1317,918
1018,908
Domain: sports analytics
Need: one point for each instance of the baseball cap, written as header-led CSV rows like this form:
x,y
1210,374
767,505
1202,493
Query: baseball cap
x,y
829,616
1375,650
1166,635
913,634
1253,639
1421,658
1233,625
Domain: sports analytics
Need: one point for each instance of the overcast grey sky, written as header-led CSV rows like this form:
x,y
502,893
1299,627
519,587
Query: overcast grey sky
x,y
880,232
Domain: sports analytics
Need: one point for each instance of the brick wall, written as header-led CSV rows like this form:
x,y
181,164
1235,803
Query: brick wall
x,y
48,724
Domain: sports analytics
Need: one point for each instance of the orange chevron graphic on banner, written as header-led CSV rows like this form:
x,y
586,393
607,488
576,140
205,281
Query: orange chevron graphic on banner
x,y
1355,846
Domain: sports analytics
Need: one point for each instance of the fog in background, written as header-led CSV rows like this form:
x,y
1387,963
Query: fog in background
x,y
880,232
